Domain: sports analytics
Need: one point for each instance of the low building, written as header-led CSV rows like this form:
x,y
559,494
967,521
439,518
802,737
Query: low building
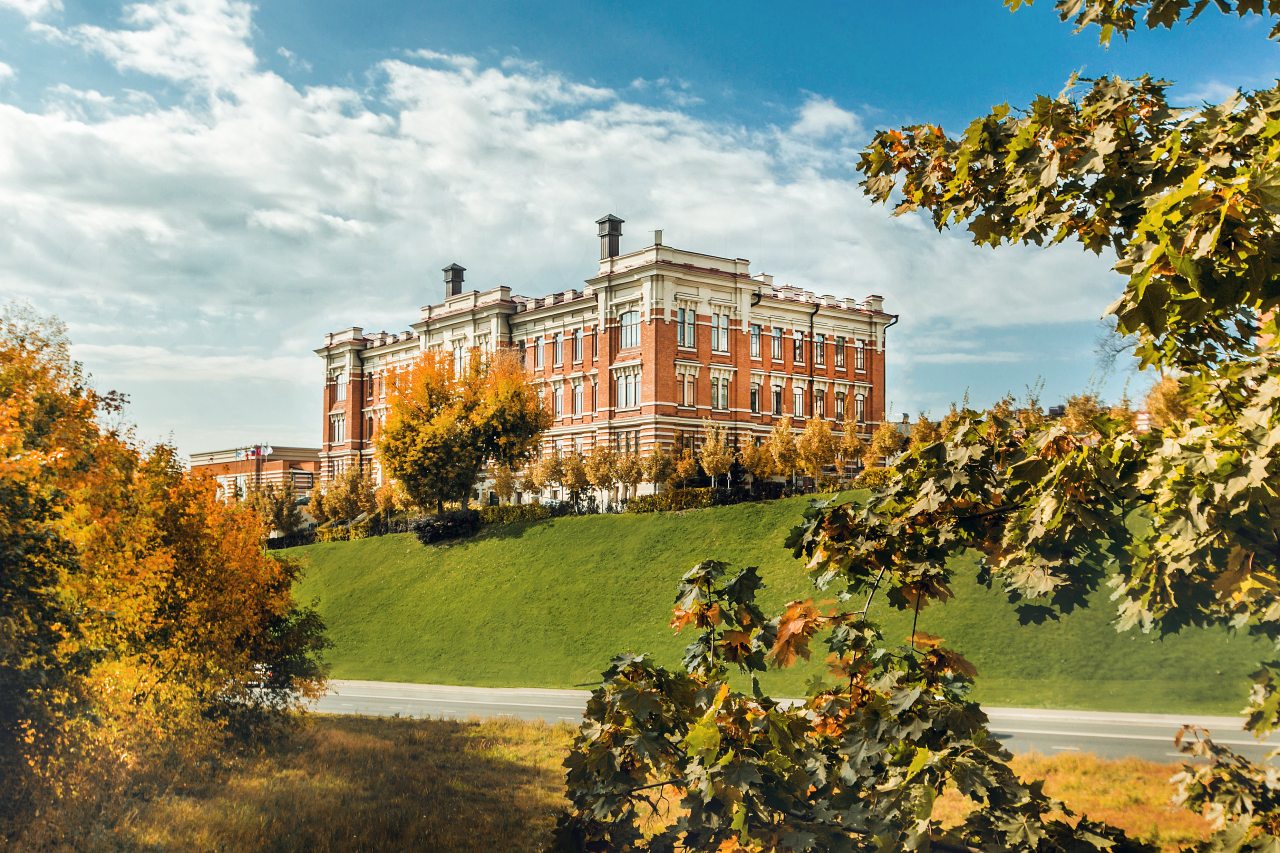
x,y
243,469
657,342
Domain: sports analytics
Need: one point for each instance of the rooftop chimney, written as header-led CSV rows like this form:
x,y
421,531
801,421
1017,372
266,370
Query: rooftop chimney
x,y
453,280
610,236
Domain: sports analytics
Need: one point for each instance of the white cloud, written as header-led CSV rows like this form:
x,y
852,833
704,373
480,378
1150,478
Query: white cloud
x,y
6,72
32,8
257,214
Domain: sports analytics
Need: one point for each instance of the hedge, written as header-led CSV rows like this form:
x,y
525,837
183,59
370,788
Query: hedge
x,y
446,525
673,501
514,512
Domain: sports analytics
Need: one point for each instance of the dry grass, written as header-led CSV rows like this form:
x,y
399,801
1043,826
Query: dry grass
x,y
352,783
1128,793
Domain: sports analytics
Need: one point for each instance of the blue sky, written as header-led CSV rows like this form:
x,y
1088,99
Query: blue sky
x,y
202,188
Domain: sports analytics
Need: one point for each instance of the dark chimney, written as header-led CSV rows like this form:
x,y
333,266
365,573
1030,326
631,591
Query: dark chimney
x,y
610,236
453,280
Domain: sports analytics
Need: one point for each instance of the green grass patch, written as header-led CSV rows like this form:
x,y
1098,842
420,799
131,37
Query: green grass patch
x,y
547,604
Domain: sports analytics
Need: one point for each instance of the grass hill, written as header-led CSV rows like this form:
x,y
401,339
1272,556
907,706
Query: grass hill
x,y
548,604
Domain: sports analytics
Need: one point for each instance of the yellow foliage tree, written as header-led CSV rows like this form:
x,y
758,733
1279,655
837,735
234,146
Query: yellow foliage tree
x,y
715,454
782,447
816,447
447,421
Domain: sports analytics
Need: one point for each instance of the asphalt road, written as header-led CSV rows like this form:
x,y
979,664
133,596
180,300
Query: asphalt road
x,y
1107,734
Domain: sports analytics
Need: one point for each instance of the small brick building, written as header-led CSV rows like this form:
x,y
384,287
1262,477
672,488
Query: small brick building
x,y
242,469
657,342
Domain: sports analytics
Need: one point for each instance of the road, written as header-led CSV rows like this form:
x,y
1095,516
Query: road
x,y
1107,734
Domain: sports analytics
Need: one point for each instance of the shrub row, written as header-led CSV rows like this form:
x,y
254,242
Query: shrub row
x,y
514,512
674,500
447,525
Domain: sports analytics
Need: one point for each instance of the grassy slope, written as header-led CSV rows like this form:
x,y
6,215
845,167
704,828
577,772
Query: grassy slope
x,y
548,604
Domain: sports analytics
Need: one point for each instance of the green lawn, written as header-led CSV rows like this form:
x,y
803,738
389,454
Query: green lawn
x,y
547,604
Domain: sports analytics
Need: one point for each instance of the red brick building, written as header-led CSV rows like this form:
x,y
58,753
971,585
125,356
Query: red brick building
x,y
658,341
243,469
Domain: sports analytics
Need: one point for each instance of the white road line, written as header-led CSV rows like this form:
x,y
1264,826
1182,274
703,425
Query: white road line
x,y
1000,730
1071,748
481,702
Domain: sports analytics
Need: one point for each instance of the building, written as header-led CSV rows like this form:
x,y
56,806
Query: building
x,y
243,469
658,341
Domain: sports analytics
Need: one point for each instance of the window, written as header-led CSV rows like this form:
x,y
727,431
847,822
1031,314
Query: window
x,y
777,344
577,346
686,329
595,396
797,402
720,332
840,405
577,399
557,350
797,348
819,404
459,355
860,408
341,381
558,398
368,428
859,356
839,353
755,340
819,349
719,393
629,389
687,391
338,429
368,387
630,322
777,399
537,353
755,397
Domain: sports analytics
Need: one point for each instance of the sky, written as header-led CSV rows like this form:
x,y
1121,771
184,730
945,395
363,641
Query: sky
x,y
201,189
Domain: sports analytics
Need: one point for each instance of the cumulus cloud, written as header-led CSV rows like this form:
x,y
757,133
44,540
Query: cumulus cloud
x,y
6,72
257,214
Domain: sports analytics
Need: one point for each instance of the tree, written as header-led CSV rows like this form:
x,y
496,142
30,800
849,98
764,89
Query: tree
x,y
886,441
782,447
756,460
448,421
686,467
504,482
601,464
548,470
924,432
278,506
1166,403
351,494
659,466
318,506
629,471
1081,411
816,447
574,476
852,447
137,609
1186,200
715,454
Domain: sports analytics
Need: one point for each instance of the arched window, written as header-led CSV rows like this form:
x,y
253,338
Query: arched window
x,y
577,345
860,356
860,408
630,324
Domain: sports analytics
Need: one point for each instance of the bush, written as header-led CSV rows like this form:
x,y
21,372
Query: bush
x,y
514,512
447,525
364,527
673,501
333,533
873,478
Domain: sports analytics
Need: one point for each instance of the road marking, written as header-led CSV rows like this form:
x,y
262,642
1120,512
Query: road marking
x,y
1072,748
1002,730
480,702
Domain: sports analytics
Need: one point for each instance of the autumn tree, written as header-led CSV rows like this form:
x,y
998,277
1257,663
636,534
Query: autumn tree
x,y
574,477
852,446
923,433
659,467
816,447
628,469
1166,404
278,505
782,447
137,610
885,444
601,465
447,421
504,483
1185,199
686,467
715,454
351,494
756,460
547,470
1080,412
